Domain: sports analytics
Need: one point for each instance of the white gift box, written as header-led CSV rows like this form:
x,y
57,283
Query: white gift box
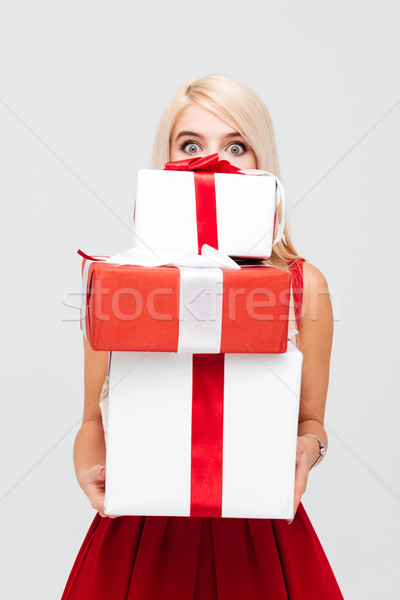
x,y
166,213
153,465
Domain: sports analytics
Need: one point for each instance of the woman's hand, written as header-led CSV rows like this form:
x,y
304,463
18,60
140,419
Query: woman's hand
x,y
305,458
94,483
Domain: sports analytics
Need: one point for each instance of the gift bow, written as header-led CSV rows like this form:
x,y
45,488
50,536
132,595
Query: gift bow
x,y
145,257
212,164
202,163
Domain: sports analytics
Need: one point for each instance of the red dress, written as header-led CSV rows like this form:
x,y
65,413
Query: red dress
x,y
203,558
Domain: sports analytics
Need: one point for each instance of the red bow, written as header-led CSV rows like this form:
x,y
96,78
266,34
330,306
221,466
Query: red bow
x,y
202,163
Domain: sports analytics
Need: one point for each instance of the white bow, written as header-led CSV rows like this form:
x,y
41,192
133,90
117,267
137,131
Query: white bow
x,y
158,257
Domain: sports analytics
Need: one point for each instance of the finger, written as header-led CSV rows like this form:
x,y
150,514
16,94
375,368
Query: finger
x,y
295,507
301,477
300,486
94,473
110,516
97,506
97,499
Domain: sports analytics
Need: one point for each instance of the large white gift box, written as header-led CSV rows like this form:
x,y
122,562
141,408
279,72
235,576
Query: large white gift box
x,y
233,212
202,435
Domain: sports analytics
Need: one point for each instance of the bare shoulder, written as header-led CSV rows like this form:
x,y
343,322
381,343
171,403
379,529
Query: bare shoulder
x,y
316,316
313,277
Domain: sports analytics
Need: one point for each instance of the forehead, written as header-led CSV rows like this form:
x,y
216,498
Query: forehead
x,y
196,118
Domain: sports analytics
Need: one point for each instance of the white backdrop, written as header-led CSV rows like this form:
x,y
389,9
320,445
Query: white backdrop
x,y
82,86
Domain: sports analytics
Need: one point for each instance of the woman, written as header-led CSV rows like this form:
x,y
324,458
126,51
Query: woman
x,y
205,558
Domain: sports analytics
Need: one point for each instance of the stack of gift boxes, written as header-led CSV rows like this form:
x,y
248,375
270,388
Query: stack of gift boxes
x,y
204,385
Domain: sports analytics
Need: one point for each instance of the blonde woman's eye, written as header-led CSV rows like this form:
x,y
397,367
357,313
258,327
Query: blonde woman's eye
x,y
190,147
237,148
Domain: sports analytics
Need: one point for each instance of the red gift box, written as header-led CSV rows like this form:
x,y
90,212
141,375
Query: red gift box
x,y
166,309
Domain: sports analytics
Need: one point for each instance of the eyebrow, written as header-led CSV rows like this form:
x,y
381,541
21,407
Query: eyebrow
x,y
193,133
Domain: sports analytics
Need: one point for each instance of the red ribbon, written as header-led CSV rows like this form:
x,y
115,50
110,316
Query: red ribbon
x,y
207,435
204,168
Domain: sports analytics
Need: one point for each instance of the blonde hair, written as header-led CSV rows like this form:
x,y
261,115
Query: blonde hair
x,y
238,105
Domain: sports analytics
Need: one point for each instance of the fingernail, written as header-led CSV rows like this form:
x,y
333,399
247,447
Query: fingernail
x,y
101,471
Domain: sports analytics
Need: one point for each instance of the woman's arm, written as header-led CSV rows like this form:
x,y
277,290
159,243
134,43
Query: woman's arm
x,y
315,342
89,447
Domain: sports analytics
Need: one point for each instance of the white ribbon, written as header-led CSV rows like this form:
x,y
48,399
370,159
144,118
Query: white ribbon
x,y
200,310
164,257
